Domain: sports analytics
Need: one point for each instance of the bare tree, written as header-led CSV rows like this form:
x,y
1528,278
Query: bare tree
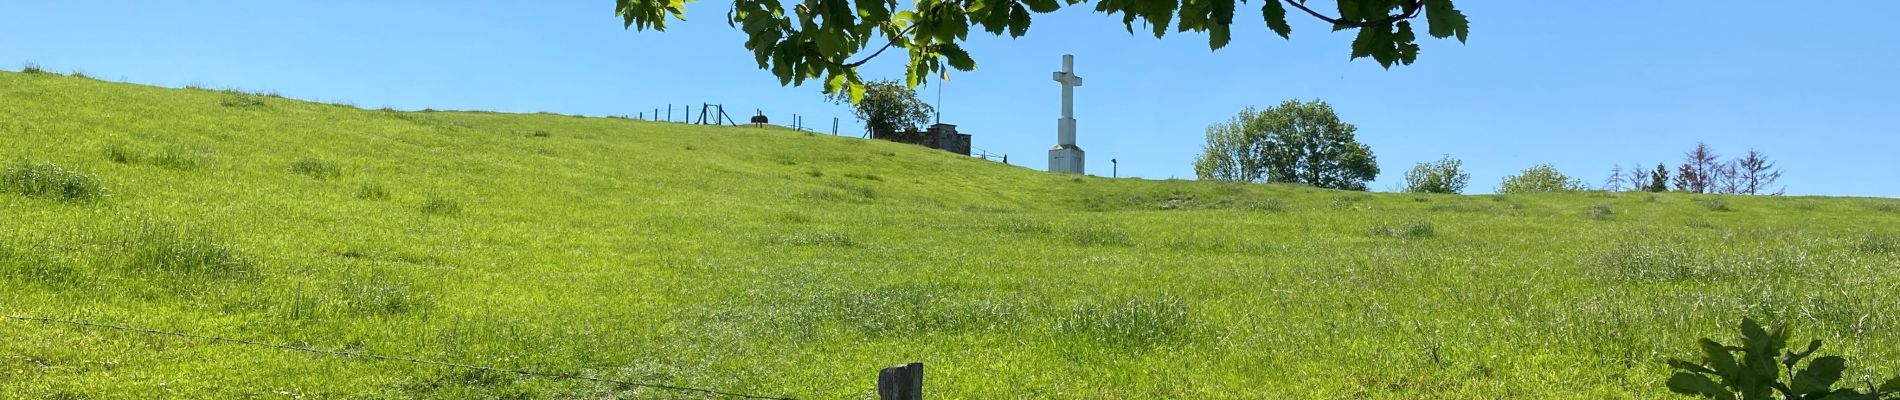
x,y
1615,182
1636,178
1700,167
1755,173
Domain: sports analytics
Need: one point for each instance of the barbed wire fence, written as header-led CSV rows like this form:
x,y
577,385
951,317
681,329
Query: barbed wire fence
x,y
378,357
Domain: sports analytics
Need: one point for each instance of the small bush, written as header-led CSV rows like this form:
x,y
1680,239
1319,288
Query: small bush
x,y
118,153
371,191
1884,206
1267,205
1879,243
32,68
441,206
868,177
1348,200
1718,205
1136,324
1101,237
863,192
314,168
825,239
1540,179
164,247
178,158
241,100
48,180
372,297
1602,212
815,173
1409,230
27,264
1447,175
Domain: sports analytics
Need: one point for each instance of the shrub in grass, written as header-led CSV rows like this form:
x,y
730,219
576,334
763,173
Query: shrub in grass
x,y
1026,227
32,68
118,153
1879,243
27,264
241,100
441,206
1717,205
166,247
861,191
48,180
825,239
314,168
1884,206
1408,230
178,158
376,297
1648,259
1601,212
1100,237
815,173
1267,205
867,176
371,191
1139,323
1348,201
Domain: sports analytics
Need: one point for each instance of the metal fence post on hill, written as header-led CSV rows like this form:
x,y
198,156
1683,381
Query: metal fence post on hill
x,y
903,382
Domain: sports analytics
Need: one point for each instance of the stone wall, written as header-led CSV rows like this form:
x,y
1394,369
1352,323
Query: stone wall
x,y
940,136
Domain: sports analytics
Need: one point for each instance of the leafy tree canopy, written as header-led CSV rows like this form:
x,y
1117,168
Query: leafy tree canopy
x,y
1447,175
1538,179
888,108
1295,142
816,39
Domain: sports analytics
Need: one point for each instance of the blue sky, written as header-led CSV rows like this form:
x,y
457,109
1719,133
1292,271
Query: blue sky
x,y
1583,88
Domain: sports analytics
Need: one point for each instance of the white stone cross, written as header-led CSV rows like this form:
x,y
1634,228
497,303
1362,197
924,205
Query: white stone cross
x,y
1066,156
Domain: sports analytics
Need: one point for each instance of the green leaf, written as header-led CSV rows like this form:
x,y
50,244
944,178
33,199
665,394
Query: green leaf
x,y
1223,12
958,58
832,84
1719,359
1275,13
873,10
1694,384
1446,20
1376,42
1407,46
1217,36
1690,367
1018,21
1844,394
1043,6
1820,375
857,92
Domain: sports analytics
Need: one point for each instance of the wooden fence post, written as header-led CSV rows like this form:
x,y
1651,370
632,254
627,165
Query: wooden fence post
x,y
903,382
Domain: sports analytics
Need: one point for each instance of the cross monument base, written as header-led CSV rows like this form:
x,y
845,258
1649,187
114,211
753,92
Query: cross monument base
x,y
1066,159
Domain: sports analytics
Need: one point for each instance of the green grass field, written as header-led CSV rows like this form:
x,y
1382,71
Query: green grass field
x,y
779,263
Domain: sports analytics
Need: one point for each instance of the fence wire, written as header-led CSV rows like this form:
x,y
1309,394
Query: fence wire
x,y
342,353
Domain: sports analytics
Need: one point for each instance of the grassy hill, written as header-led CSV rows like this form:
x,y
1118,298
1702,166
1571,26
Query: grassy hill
x,y
780,263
